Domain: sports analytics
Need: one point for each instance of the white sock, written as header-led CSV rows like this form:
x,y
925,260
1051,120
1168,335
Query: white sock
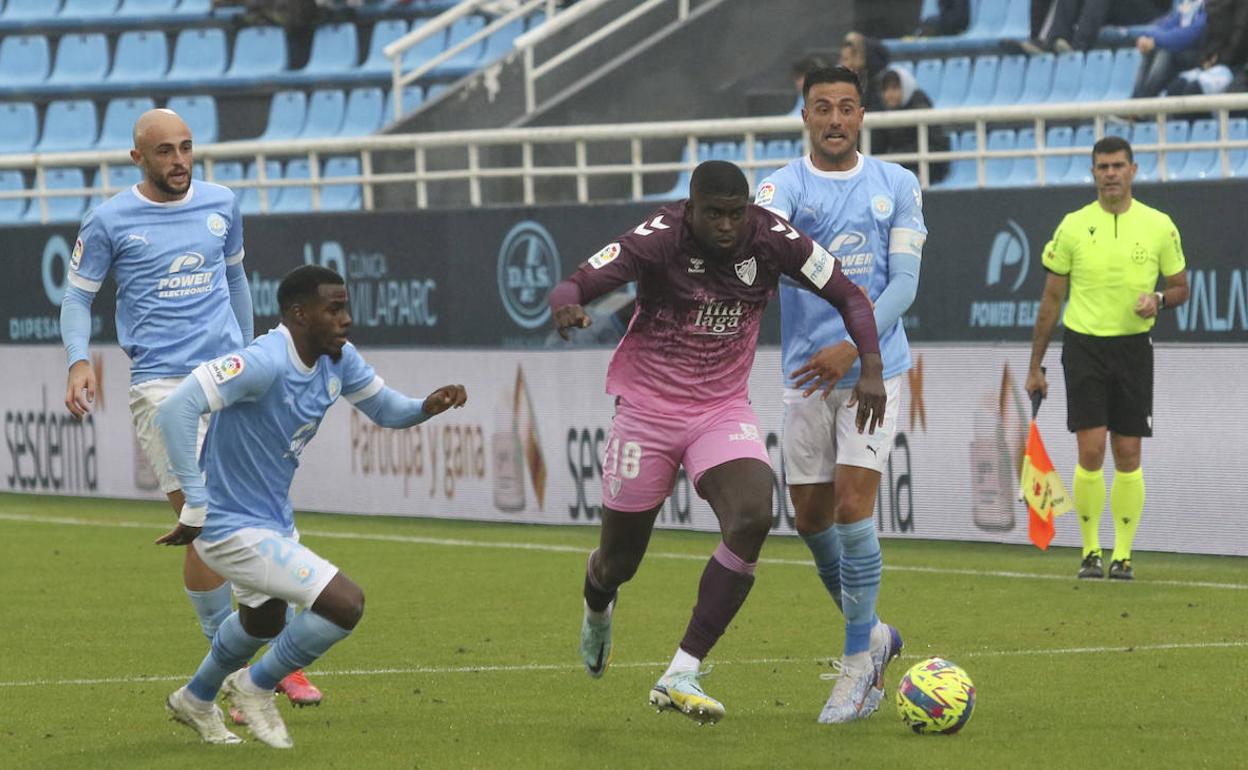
x,y
598,618
682,661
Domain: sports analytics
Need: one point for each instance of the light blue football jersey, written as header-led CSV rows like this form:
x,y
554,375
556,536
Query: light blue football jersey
x,y
173,304
859,216
267,406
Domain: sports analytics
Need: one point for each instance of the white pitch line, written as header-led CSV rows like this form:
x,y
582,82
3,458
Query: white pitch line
x,y
551,548
570,667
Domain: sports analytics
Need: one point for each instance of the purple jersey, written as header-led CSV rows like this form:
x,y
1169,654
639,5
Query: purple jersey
x,y
695,327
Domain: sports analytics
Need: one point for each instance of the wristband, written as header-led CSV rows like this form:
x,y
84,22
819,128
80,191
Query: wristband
x,y
1161,299
193,516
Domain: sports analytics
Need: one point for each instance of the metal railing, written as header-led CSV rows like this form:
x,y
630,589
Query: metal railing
x,y
642,151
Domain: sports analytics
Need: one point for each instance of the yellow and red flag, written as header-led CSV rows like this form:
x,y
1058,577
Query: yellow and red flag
x,y
1043,490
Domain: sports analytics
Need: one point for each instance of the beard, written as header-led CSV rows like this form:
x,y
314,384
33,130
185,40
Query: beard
x,y
163,184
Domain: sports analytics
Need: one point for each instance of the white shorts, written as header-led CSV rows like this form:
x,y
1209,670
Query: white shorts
x,y
820,435
145,398
263,564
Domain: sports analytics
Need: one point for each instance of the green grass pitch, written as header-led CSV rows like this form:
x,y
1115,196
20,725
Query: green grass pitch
x,y
466,657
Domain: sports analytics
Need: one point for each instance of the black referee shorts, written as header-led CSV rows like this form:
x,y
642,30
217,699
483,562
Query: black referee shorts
x,y
1109,382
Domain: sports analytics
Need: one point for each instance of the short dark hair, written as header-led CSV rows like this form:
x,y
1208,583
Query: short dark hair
x,y
304,283
837,74
1108,145
718,177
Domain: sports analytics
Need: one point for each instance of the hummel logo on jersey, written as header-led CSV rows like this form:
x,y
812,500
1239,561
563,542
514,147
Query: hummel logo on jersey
x,y
747,271
695,266
656,223
783,227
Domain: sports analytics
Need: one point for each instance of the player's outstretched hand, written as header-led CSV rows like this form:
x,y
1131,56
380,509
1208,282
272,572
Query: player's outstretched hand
x,y
1036,382
445,397
571,317
179,535
825,368
80,389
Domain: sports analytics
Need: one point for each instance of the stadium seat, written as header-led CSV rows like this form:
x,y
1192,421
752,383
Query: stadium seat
x,y
1175,156
1237,130
226,171
82,9
953,83
434,91
141,56
122,177
1122,75
199,54
62,208
11,209
1023,173
200,114
341,197
364,114
1067,77
249,199
1017,23
425,49
325,113
117,132
983,81
1057,166
1094,83
385,32
1198,164
294,200
146,8
287,113
335,50
413,97
997,171
503,40
1118,128
964,171
194,8
470,57
988,19
1038,80
927,74
1142,133
258,52
1080,169
30,10
24,59
1009,87
68,125
80,59
19,127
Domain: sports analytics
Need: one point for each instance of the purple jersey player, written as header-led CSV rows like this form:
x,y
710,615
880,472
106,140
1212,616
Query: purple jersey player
x,y
705,269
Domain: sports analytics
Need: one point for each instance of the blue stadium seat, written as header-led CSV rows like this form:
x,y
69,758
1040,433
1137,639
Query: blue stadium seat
x,y
226,171
1175,156
927,74
983,81
1023,173
1237,129
953,82
962,172
24,59
364,114
413,97
325,113
120,115
425,49
1067,77
200,114
1038,80
1017,22
988,19
294,199
80,58
68,125
1057,166
141,56
335,49
385,32
1118,128
341,197
1080,169
1122,74
503,40
19,127
249,199
1199,164
258,52
470,57
1142,133
997,171
63,208
122,177
1009,86
434,91
287,113
146,7
30,10
1098,64
83,9
724,150
198,54
194,8
11,209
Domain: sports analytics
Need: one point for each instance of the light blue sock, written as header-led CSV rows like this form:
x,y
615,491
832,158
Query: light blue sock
x,y
211,607
861,565
232,647
825,546
303,641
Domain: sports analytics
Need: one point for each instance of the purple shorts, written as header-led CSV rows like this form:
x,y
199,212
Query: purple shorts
x,y
646,449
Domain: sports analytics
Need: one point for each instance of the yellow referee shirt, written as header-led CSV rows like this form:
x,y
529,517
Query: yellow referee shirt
x,y
1111,259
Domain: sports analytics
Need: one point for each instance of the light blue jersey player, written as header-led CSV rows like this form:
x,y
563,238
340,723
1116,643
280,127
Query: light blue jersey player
x,y
267,402
175,248
868,214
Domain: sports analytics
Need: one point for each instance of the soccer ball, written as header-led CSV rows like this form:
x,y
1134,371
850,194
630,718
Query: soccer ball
x,y
935,697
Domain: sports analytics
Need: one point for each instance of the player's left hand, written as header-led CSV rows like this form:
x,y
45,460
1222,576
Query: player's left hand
x,y
825,368
179,535
1146,305
445,397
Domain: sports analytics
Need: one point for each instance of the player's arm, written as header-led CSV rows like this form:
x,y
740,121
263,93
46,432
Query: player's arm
x,y
211,387
1057,261
391,409
88,266
906,238
1174,267
236,277
615,265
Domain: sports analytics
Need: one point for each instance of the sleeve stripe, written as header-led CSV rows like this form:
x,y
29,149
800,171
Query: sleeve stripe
x,y
903,240
366,392
234,259
84,284
201,375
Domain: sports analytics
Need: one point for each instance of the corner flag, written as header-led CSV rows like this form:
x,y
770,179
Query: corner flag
x,y
1040,485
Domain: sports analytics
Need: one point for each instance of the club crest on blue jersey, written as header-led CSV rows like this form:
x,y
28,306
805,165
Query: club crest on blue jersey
x,y
216,224
882,206
335,387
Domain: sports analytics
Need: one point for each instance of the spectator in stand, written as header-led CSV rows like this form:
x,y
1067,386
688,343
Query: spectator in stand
x,y
1168,46
1225,51
1075,24
952,18
900,91
868,57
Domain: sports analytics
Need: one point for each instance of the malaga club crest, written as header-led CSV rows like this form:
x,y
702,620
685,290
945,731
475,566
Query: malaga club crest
x,y
747,271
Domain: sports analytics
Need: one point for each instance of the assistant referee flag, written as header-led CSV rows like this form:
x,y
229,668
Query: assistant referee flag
x,y
1042,489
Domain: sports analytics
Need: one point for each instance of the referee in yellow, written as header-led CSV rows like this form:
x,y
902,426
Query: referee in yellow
x,y
1109,255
